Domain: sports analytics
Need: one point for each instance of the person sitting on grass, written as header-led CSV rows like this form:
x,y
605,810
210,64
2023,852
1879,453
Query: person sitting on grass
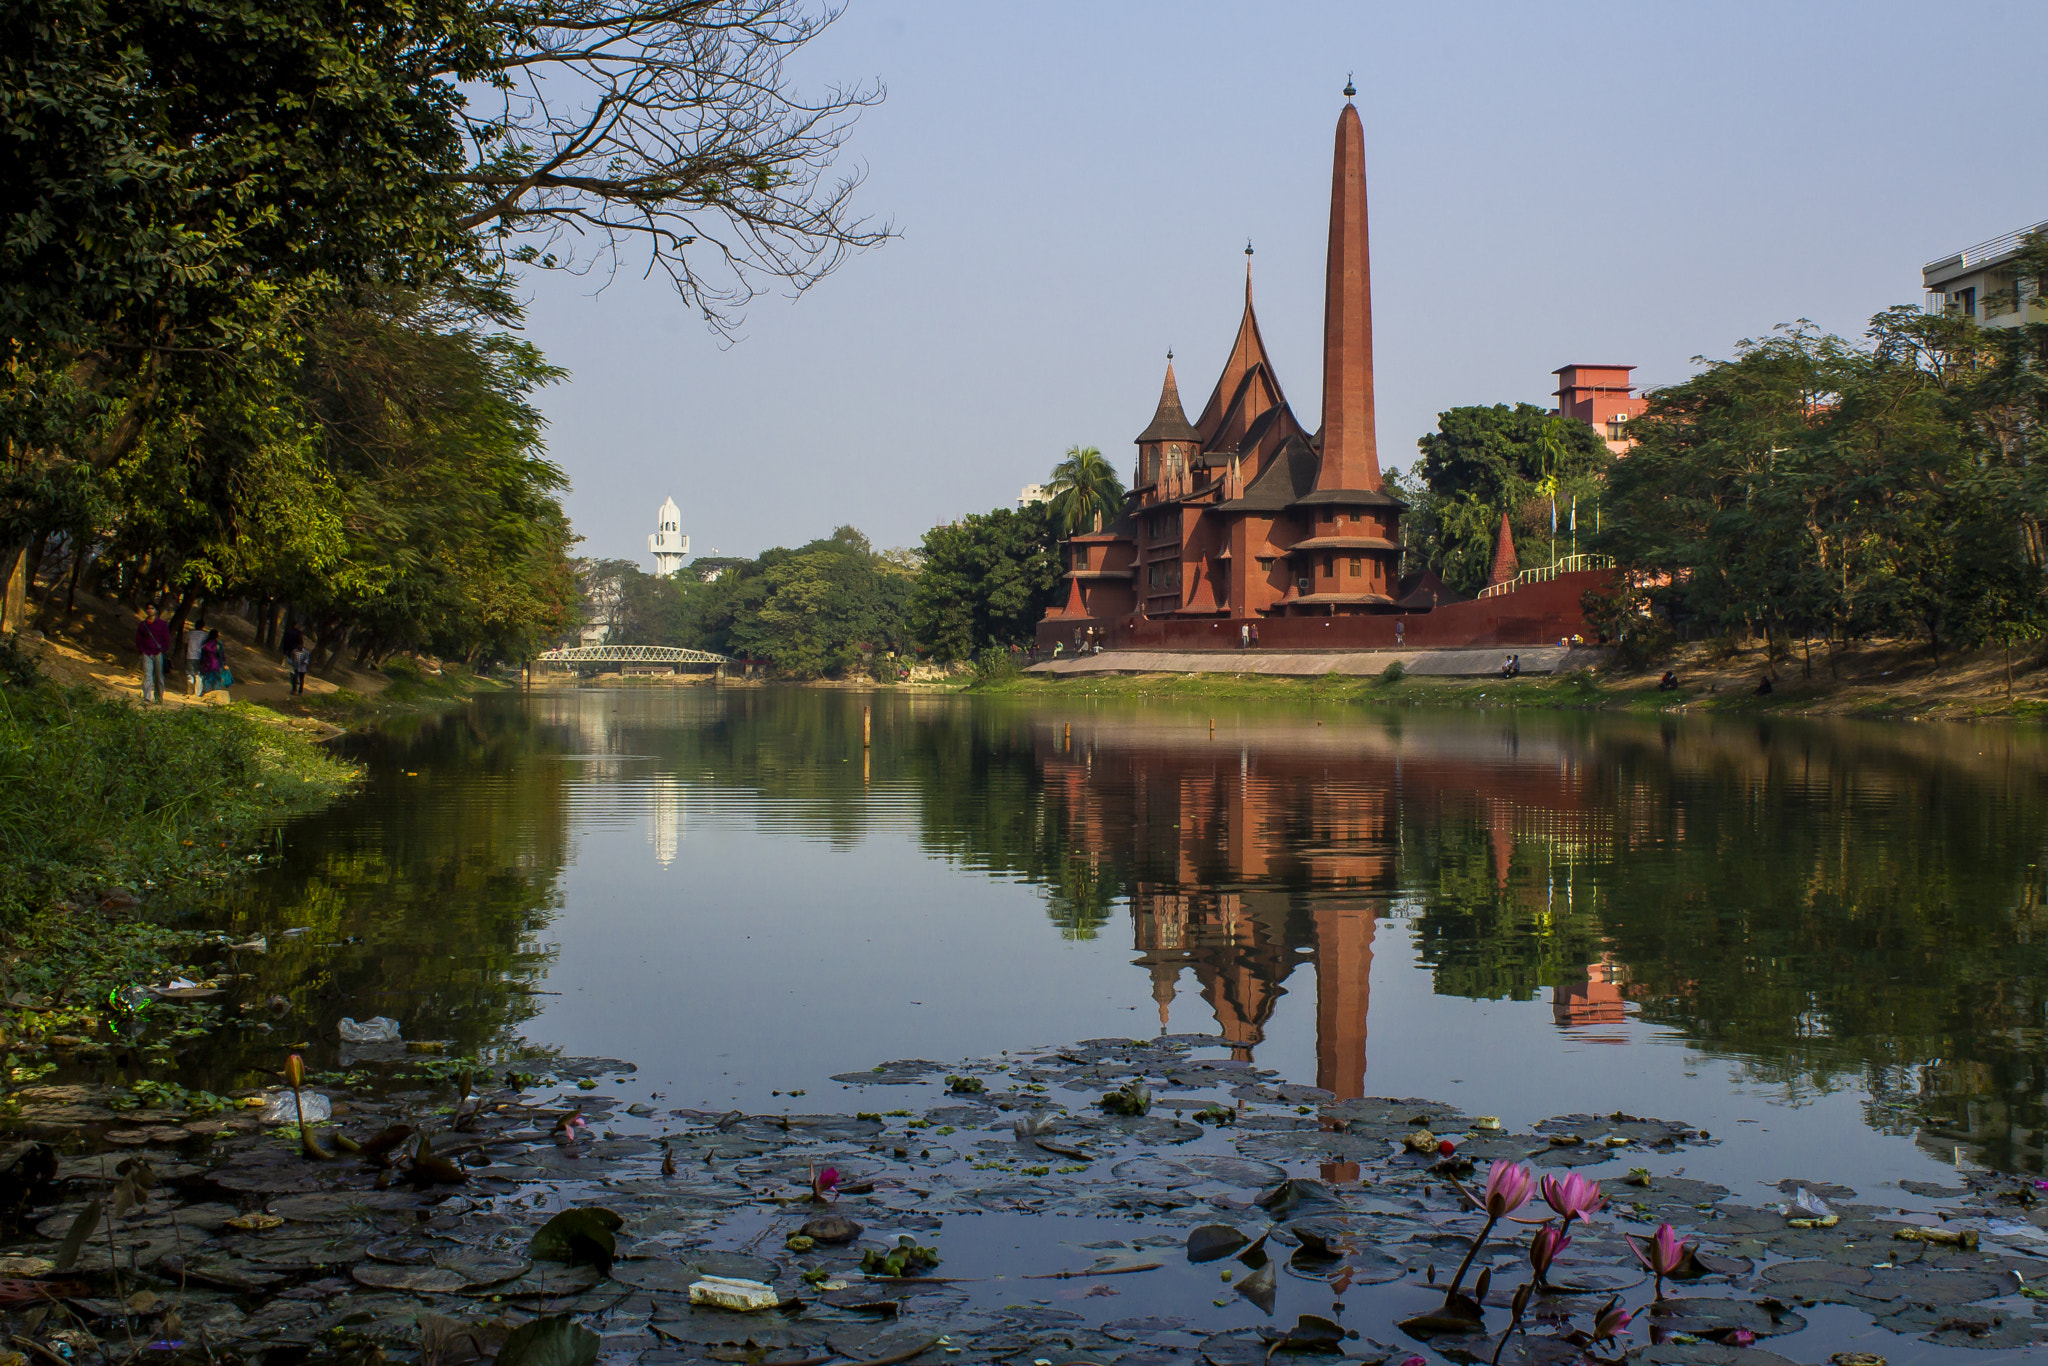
x,y
1763,686
1668,682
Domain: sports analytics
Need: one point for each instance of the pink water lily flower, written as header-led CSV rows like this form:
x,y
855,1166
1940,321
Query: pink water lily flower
x,y
1572,1195
1508,1187
825,1183
1662,1254
1544,1248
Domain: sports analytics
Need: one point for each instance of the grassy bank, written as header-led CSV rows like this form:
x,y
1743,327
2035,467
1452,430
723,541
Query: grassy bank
x,y
408,688
106,806
1878,683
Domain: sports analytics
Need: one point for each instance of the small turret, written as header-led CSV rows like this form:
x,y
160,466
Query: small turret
x,y
1505,565
1171,441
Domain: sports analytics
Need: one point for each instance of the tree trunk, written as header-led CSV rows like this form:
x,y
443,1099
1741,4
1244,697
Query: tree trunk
x,y
38,548
177,621
13,592
77,568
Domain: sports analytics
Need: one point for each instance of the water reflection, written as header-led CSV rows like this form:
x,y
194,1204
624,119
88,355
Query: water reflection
x,y
1836,908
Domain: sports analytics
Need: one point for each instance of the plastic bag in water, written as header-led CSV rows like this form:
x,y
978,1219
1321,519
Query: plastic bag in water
x,y
376,1029
280,1108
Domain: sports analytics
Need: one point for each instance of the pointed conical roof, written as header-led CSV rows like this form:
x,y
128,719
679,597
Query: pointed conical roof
x,y
1505,564
1350,444
1170,423
1246,388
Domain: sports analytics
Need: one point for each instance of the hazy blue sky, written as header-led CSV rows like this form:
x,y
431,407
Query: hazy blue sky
x,y
1074,183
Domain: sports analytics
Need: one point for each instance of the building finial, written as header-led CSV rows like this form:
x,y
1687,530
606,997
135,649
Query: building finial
x,y
1169,355
1349,88
1247,246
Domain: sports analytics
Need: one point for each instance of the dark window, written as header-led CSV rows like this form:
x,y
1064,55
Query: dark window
x,y
1328,571
1357,566
1614,426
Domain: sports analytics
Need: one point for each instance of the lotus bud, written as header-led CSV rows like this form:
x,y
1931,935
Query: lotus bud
x,y
295,1071
1611,1322
1544,1248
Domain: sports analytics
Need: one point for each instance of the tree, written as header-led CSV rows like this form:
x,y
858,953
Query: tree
x,y
1084,487
1811,485
1483,462
671,124
987,580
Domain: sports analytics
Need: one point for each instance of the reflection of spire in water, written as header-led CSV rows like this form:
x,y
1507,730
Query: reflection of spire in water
x,y
1343,991
665,818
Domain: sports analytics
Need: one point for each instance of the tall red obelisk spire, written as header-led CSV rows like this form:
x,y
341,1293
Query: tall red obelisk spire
x,y
1351,458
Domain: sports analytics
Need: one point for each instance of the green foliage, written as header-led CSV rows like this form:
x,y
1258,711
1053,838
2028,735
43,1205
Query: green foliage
x,y
96,793
996,665
904,1259
987,580
833,607
1811,486
1085,488
580,1237
1482,462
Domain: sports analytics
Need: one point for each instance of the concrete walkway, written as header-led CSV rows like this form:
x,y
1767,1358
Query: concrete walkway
x,y
1536,659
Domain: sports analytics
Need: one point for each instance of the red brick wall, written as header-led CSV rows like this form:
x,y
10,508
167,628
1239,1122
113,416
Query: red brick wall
x,y
1537,614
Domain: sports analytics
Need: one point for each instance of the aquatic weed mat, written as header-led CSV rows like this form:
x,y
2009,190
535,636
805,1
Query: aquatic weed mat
x,y
1122,1201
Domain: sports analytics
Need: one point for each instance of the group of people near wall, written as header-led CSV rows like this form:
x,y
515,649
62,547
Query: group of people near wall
x,y
206,659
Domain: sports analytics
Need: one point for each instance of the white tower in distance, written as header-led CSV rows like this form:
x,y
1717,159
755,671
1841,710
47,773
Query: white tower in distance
x,y
669,545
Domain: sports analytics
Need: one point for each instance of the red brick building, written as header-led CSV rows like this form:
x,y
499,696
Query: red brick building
x,y
1244,516
1602,397
1245,512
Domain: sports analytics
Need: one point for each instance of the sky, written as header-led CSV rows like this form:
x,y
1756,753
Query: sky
x,y
1074,185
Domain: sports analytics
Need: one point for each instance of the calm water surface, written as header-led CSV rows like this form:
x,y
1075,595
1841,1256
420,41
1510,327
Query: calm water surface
x,y
1818,941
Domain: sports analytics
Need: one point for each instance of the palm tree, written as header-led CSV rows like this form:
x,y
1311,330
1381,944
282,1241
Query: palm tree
x,y
1084,486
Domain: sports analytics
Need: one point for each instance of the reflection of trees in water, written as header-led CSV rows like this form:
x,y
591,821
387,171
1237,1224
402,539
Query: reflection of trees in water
x,y
425,897
1829,906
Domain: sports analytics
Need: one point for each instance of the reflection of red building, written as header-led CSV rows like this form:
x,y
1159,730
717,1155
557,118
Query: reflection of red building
x,y
1252,861
1596,1001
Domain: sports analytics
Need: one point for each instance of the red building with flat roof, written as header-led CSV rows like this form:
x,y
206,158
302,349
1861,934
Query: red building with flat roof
x,y
1602,397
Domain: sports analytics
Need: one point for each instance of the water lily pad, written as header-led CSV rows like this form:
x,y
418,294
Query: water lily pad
x,y
1213,1241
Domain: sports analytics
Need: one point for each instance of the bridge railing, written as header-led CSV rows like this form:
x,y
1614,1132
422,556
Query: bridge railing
x,y
629,654
1570,564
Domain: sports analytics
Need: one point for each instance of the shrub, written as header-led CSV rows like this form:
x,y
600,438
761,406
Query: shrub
x,y
994,664
95,793
1393,673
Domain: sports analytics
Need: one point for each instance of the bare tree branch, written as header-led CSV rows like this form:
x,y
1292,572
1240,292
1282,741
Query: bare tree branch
x,y
670,127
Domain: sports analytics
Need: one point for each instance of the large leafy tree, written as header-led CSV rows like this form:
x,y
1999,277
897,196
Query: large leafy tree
x,y
1085,488
987,580
1483,462
197,186
1812,486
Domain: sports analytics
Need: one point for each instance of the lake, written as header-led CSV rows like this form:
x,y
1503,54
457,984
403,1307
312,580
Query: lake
x,y
1819,941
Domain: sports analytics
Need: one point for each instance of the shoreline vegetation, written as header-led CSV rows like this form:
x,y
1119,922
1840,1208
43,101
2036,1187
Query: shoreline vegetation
x,y
1879,682
109,811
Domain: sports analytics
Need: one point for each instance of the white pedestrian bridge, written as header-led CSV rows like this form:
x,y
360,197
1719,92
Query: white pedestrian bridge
x,y
575,656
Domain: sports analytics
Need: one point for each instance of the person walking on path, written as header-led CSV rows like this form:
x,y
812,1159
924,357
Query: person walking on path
x,y
152,642
300,659
213,665
1400,633
195,642
1244,636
